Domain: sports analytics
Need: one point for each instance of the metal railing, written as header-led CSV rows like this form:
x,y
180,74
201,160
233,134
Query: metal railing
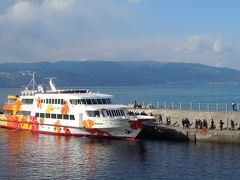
x,y
192,106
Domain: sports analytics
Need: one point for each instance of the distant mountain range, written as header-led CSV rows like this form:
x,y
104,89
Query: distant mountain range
x,y
104,73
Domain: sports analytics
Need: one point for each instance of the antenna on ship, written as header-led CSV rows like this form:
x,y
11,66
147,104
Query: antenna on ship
x,y
52,85
32,82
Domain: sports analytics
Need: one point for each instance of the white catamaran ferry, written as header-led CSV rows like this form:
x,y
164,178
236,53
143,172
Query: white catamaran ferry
x,y
68,112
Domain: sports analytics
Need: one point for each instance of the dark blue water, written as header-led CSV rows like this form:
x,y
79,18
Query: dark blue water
x,y
24,155
159,93
176,93
31,156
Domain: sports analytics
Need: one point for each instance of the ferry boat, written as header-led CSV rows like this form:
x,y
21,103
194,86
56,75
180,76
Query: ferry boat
x,y
77,112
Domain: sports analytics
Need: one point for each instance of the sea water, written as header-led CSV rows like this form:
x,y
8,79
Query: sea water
x,y
25,155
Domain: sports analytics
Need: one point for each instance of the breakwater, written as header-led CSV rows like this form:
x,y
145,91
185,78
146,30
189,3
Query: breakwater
x,y
170,125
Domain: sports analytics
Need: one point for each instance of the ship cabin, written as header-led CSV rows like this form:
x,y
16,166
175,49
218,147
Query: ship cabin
x,y
83,101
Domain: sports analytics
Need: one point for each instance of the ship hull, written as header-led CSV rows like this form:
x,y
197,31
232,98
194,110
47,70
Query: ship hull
x,y
128,132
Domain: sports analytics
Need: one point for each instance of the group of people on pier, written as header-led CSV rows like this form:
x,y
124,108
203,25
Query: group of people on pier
x,y
186,123
201,124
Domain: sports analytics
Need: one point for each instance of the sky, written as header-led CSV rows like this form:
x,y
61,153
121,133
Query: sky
x,y
191,31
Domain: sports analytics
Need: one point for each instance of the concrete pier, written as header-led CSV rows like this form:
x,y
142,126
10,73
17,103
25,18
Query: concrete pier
x,y
175,130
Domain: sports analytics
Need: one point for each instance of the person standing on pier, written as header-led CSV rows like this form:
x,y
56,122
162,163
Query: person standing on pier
x,y
196,123
232,125
234,106
212,126
221,124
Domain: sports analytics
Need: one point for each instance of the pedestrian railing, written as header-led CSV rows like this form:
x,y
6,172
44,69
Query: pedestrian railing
x,y
191,106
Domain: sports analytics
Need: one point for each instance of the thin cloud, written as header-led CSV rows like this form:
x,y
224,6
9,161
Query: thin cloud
x,y
58,5
203,43
218,45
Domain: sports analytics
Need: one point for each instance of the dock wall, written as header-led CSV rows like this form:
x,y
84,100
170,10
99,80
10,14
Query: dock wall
x,y
176,131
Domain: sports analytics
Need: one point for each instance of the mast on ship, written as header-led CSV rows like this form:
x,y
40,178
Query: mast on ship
x,y
32,82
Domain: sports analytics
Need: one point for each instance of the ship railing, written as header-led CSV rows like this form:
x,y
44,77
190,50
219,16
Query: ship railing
x,y
28,92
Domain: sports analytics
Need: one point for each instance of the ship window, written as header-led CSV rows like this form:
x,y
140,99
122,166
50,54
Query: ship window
x,y
24,113
42,115
104,101
73,101
59,116
61,101
94,101
37,115
53,116
58,101
55,101
99,101
117,111
47,115
52,101
102,113
89,101
83,101
93,113
108,101
65,116
27,101
46,101
72,117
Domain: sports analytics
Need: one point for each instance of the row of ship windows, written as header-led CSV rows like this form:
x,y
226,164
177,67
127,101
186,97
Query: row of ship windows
x,y
55,116
72,101
115,112
45,115
105,113
23,113
90,101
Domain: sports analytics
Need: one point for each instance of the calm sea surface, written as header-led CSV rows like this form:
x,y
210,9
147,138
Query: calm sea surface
x,y
24,155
